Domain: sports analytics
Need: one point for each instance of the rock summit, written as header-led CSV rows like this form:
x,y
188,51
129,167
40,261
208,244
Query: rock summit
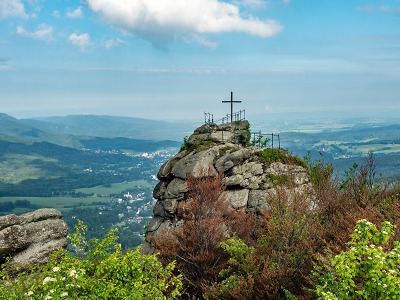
x,y
251,175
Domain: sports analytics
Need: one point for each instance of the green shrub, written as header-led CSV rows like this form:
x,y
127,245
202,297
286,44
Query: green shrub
x,y
366,270
196,145
100,271
279,180
235,283
184,145
270,155
260,141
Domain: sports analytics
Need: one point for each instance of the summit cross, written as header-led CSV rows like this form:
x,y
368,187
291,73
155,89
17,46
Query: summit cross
x,y
231,102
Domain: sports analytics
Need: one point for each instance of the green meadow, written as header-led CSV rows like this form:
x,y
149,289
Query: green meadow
x,y
115,188
18,167
90,198
60,203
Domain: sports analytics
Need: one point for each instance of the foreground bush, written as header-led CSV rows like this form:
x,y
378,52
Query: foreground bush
x,y
273,266
98,271
196,246
366,270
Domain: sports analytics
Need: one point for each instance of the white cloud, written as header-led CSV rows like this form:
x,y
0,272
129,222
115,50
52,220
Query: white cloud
x,y
201,41
379,8
255,4
75,14
262,4
113,43
55,13
161,21
11,8
82,40
383,8
43,32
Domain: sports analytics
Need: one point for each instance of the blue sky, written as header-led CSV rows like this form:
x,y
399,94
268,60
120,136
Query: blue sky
x,y
175,59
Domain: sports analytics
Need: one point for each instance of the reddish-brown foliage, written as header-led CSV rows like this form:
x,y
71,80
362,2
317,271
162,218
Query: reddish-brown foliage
x,y
286,239
195,243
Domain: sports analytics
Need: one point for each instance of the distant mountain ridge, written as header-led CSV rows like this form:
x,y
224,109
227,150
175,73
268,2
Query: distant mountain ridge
x,y
78,131
15,130
111,126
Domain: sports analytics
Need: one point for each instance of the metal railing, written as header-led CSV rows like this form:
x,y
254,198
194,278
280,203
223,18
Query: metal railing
x,y
236,117
208,118
259,142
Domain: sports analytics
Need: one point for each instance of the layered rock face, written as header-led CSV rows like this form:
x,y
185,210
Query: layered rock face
x,y
250,176
31,238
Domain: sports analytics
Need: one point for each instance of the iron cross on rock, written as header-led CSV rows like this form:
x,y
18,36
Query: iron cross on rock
x,y
231,102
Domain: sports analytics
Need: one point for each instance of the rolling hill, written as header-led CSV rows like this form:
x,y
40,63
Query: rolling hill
x,y
42,157
112,126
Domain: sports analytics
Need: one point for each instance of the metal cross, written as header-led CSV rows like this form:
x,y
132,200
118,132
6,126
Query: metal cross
x,y
231,102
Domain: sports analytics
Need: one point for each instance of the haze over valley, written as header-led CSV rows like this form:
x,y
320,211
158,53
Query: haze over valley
x,y
102,169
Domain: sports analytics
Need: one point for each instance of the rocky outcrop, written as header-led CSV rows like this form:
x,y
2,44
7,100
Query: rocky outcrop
x,y
30,238
251,175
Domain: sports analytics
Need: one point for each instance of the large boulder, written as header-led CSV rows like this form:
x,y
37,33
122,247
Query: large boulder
x,y
30,238
250,179
196,165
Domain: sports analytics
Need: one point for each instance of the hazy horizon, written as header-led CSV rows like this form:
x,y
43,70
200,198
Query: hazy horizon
x,y
199,115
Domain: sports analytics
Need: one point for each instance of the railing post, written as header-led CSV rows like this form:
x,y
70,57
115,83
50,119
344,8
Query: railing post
x,y
279,140
272,140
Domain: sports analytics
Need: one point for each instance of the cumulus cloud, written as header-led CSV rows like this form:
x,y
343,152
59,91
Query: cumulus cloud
x,y
82,40
162,21
11,8
43,32
75,14
113,43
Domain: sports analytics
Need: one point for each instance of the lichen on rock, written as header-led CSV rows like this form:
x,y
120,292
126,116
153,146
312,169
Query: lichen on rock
x,y
30,238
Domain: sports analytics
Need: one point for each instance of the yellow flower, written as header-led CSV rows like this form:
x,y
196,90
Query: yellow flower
x,y
64,294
